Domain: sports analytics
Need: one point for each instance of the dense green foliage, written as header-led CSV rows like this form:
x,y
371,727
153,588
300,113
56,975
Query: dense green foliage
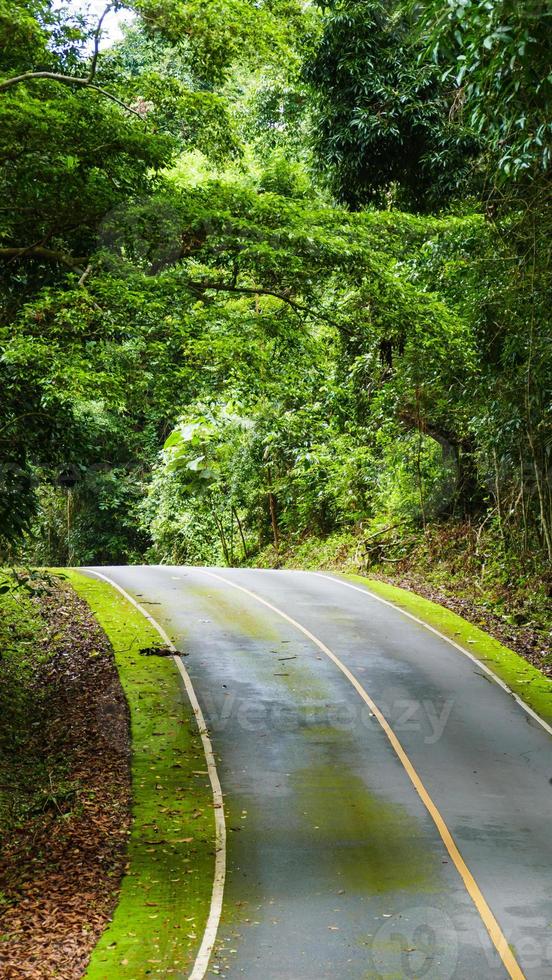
x,y
497,55
294,281
382,111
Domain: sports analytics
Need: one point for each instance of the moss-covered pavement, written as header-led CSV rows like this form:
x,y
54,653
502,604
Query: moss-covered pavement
x,y
165,893
521,677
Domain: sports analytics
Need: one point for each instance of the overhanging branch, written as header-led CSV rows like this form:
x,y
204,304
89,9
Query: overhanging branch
x,y
74,80
41,252
261,291
71,80
251,290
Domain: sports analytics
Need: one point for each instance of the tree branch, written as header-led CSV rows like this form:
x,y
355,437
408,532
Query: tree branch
x,y
97,36
53,76
113,98
85,275
25,415
86,82
251,290
40,252
259,290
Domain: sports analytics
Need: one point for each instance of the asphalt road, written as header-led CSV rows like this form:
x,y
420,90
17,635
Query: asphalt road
x,y
337,864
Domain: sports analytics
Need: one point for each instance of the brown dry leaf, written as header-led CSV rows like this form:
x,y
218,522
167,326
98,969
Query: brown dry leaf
x,y
60,871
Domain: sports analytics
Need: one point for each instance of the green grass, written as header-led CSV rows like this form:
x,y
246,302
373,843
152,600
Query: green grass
x,y
166,891
520,676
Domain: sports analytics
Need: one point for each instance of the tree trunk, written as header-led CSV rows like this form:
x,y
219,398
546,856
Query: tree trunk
x,y
242,536
222,535
274,520
546,531
469,497
273,511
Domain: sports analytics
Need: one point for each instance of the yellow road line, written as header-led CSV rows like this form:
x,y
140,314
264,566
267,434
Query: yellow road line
x,y
495,932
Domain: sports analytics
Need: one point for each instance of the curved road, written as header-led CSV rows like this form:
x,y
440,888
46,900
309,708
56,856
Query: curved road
x,y
388,806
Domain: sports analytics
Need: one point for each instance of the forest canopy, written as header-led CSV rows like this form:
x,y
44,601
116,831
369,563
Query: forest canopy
x,y
272,270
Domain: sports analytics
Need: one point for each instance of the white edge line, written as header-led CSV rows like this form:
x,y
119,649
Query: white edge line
x,y
209,936
498,680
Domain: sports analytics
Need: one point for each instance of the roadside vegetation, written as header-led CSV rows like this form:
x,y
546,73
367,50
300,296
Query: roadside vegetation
x,y
106,810
257,294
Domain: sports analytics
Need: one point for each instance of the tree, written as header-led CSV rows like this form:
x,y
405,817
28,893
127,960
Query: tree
x,y
170,261
382,111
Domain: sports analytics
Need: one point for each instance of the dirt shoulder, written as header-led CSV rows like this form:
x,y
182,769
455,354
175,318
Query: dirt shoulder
x,y
65,778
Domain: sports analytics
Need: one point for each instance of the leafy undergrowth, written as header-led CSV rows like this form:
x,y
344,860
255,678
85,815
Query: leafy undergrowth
x,y
64,780
166,891
506,594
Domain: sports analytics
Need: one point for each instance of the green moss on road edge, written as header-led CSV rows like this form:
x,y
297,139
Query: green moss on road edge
x,y
166,891
520,676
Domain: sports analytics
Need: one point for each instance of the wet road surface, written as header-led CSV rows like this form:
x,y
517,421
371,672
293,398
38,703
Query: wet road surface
x,y
335,865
